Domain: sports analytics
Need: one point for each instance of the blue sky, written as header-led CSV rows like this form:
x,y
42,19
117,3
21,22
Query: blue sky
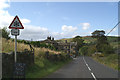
x,y
64,19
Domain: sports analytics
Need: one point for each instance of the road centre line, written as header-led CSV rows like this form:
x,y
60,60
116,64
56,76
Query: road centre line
x,y
89,69
86,64
93,76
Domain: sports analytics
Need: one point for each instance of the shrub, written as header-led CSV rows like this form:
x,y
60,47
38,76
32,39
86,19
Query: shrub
x,y
100,55
91,50
107,49
5,33
84,50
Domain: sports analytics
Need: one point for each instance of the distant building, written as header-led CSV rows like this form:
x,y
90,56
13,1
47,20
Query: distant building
x,y
67,47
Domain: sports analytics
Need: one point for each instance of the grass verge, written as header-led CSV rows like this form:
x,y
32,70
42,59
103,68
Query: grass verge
x,y
44,67
110,60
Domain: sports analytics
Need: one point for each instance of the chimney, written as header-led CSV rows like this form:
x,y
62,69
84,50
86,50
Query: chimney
x,y
50,37
53,39
65,41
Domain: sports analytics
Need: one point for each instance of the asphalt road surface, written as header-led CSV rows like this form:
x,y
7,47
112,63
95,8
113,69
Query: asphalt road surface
x,y
84,67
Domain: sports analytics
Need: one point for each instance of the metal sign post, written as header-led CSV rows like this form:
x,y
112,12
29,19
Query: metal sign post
x,y
15,48
15,32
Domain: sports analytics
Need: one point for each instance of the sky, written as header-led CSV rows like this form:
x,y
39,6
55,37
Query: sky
x,y
60,19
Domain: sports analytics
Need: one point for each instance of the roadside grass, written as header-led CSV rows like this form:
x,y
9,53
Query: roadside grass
x,y
115,44
8,46
110,60
43,67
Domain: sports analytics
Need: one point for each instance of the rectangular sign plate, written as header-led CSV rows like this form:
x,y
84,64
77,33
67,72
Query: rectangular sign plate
x,y
15,32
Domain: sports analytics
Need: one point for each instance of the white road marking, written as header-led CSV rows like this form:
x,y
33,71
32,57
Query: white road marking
x,y
89,69
93,76
86,64
84,60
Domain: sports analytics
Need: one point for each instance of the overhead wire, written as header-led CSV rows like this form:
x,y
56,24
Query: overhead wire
x,y
113,28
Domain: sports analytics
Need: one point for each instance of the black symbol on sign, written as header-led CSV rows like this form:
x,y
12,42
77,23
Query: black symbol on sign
x,y
16,23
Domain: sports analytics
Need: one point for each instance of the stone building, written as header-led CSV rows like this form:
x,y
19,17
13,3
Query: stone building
x,y
67,47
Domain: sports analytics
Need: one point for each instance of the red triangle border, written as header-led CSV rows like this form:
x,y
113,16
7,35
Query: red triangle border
x,y
15,27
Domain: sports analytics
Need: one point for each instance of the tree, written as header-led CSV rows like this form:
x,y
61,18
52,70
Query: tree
x,y
102,44
84,50
91,50
98,33
5,33
79,41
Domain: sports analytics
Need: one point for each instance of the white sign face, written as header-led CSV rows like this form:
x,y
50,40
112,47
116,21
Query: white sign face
x,y
15,32
16,24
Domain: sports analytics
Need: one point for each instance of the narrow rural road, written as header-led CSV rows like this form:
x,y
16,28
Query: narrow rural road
x,y
85,67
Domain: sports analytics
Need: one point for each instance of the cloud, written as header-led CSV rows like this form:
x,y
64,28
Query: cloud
x,y
67,31
41,33
114,35
5,17
33,32
68,28
38,32
3,4
30,31
60,35
85,26
25,21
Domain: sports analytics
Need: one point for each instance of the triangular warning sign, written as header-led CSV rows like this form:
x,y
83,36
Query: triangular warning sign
x,y
16,24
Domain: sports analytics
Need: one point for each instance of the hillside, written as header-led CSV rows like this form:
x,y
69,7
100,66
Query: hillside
x,y
8,46
88,39
63,40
